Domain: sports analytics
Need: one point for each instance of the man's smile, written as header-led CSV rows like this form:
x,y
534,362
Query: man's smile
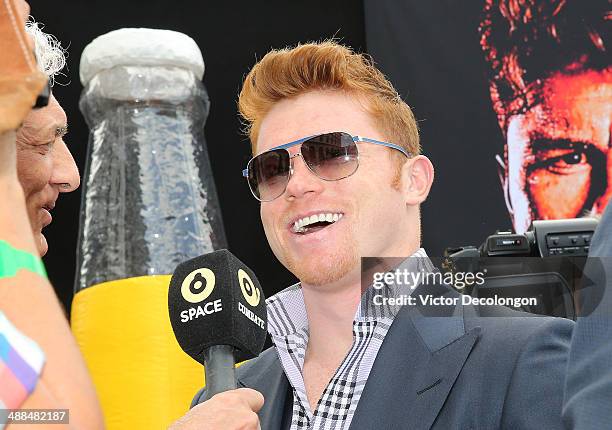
x,y
314,221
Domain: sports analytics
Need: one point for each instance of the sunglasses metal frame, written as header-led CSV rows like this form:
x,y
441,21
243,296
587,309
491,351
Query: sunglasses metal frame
x,y
286,146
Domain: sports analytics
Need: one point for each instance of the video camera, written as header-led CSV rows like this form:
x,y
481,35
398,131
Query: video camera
x,y
545,263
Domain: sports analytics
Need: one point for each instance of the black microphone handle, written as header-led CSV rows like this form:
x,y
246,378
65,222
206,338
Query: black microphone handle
x,y
220,368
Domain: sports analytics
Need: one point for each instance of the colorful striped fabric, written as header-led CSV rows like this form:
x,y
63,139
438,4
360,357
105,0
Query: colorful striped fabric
x,y
21,361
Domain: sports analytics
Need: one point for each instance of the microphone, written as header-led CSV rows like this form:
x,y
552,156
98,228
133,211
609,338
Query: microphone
x,y
218,315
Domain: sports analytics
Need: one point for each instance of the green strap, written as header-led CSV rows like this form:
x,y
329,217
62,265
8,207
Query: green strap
x,y
12,260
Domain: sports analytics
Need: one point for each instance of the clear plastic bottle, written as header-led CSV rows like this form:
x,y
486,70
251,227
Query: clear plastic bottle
x,y
149,203
149,200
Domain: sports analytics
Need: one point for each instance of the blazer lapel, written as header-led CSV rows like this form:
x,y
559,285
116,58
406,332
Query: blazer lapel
x,y
438,376
415,368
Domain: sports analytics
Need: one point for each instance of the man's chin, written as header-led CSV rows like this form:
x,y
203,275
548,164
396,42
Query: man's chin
x,y
318,272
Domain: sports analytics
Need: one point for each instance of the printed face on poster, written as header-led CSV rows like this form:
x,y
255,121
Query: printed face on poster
x,y
543,68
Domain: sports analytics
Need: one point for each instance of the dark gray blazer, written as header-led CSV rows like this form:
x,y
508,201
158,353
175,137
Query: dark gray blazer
x,y
470,371
588,388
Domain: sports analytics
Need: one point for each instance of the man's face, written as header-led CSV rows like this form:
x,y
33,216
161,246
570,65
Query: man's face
x,y
559,162
371,208
45,167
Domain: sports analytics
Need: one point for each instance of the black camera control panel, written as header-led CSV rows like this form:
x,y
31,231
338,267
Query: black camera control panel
x,y
569,243
568,238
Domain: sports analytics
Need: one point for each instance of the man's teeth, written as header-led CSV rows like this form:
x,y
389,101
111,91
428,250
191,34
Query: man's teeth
x,y
300,225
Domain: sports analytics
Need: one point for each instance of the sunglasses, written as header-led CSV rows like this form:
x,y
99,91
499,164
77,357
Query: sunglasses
x,y
330,156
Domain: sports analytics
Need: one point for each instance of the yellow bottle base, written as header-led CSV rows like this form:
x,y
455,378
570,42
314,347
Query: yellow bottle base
x,y
143,378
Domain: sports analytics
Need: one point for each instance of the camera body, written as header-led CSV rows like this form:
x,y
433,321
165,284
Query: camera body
x,y
545,263
545,238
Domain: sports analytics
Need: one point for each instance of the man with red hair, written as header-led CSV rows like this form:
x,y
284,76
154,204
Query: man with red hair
x,y
339,174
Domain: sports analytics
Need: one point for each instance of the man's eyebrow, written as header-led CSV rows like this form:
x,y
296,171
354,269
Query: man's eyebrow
x,y
543,144
61,131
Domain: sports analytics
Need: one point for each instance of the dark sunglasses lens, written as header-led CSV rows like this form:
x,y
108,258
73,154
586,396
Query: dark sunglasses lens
x,y
331,156
269,174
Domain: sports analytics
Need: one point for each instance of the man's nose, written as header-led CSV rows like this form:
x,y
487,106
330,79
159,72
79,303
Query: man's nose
x,y
302,180
65,170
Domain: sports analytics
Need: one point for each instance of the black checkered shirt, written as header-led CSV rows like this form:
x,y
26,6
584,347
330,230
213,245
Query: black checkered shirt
x,y
288,327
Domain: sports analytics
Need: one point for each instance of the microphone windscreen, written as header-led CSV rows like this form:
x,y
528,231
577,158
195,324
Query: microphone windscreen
x,y
215,299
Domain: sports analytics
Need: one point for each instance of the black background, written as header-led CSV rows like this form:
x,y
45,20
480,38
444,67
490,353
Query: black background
x,y
231,36
429,50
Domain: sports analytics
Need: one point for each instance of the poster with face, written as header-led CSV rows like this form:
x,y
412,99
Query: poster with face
x,y
550,81
543,69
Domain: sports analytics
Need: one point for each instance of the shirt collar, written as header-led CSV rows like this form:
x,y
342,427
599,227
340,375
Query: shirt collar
x,y
287,311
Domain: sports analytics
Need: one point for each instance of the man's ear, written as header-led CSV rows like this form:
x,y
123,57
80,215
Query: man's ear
x,y
417,177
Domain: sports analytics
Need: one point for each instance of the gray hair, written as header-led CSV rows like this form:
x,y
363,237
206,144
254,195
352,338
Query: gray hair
x,y
50,54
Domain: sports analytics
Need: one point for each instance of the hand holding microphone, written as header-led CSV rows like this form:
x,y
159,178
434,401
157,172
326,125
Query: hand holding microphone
x,y
218,314
234,409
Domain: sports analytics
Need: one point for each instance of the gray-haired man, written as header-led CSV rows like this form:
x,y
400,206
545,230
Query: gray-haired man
x,y
45,166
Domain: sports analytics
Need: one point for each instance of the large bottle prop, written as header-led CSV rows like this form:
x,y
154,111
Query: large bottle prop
x,y
149,203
